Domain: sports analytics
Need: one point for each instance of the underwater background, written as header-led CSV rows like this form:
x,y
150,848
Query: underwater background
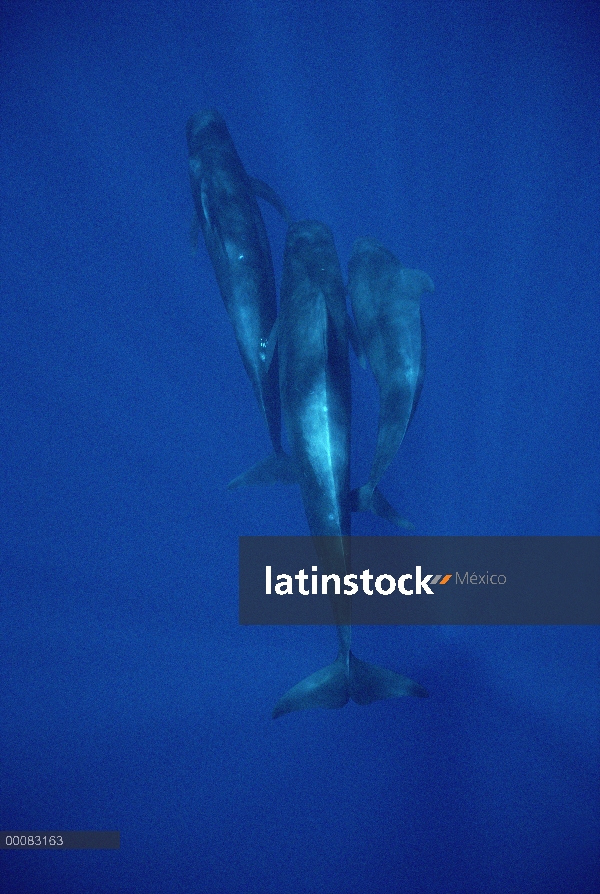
x,y
462,135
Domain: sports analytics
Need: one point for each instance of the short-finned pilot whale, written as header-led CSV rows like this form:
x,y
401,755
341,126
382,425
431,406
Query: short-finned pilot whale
x,y
235,235
385,299
315,393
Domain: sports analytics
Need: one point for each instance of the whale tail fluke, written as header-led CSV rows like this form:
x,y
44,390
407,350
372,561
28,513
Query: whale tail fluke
x,y
370,683
278,468
334,685
370,499
326,688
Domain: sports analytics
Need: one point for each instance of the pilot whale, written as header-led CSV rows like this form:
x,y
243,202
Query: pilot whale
x,y
237,243
315,393
385,299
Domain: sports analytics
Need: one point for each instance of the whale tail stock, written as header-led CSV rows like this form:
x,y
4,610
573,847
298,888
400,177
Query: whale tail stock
x,y
333,686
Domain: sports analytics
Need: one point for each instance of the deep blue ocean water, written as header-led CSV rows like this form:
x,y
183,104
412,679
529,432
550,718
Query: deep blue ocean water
x,y
465,137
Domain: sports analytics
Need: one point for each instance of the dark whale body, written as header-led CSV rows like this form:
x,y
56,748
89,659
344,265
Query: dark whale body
x,y
315,394
237,243
385,300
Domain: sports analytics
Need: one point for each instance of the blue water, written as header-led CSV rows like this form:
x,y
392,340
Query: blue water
x,y
465,137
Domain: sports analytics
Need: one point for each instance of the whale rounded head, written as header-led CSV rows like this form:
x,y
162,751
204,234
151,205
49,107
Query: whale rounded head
x,y
368,251
203,128
369,255
366,245
310,247
311,232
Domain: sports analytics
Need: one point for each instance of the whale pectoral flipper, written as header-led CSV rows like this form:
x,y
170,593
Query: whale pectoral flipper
x,y
270,346
208,210
367,499
421,375
326,688
264,191
356,342
277,468
370,683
